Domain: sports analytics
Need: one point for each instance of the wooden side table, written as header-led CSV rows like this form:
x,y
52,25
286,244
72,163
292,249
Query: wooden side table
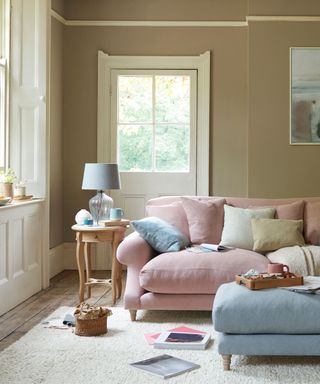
x,y
85,236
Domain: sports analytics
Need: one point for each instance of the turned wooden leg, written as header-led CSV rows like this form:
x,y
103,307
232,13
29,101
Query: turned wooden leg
x,y
80,262
226,362
133,314
87,259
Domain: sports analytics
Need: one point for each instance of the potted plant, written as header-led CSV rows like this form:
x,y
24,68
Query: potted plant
x,y
7,178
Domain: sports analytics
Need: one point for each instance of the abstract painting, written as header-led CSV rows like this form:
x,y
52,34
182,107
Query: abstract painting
x,y
305,95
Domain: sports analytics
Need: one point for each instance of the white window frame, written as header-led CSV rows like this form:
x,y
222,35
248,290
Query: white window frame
x,y
193,111
4,64
200,63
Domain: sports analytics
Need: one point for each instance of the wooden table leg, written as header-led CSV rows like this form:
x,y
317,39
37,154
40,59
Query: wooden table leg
x,y
80,263
87,258
116,265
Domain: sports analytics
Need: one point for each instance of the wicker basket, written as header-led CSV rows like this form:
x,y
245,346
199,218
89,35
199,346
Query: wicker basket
x,y
91,327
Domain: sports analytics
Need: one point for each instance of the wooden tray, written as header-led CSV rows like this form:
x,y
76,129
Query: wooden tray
x,y
262,283
28,197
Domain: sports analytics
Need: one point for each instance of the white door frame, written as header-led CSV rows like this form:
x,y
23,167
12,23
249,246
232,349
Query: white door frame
x,y
200,63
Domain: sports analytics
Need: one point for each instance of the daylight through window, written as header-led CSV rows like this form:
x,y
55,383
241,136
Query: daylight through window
x,y
153,123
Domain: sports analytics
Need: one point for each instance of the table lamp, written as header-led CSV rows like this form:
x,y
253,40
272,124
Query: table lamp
x,y
100,176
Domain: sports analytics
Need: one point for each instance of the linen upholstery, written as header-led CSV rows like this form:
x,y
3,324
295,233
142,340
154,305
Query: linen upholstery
x,y
237,230
269,344
163,237
173,214
197,273
272,234
240,310
134,252
205,219
312,222
292,211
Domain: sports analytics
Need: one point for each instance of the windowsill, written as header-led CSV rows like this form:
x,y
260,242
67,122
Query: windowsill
x,y
16,204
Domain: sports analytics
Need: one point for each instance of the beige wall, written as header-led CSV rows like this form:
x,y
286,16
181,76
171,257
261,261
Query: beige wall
x,y
58,6
56,156
275,168
249,130
284,7
156,9
228,97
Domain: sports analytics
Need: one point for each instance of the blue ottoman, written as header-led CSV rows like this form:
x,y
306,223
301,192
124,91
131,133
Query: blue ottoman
x,y
265,322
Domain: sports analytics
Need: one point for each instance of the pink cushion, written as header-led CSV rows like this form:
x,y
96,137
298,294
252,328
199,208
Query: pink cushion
x,y
173,214
205,219
312,222
197,273
293,211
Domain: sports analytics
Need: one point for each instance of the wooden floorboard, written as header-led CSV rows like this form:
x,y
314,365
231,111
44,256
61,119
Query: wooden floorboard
x,y
63,291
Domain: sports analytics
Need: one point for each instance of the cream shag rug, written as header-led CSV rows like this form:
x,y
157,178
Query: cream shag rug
x,y
59,356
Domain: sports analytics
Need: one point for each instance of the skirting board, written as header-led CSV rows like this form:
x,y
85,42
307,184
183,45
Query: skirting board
x,y
56,260
64,257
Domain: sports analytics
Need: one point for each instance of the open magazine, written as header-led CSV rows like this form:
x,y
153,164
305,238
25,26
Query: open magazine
x,y
205,247
182,340
311,284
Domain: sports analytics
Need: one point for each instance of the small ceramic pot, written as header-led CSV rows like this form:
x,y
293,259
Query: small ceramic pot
x,y
82,215
7,189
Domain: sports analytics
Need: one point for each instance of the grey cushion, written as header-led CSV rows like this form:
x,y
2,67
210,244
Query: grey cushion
x,y
240,310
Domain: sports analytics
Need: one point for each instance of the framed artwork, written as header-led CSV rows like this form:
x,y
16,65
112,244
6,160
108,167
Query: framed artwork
x,y
305,95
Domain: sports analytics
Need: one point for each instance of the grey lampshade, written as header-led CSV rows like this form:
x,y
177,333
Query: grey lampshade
x,y
100,176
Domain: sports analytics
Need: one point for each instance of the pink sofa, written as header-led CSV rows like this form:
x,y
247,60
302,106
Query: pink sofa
x,y
188,281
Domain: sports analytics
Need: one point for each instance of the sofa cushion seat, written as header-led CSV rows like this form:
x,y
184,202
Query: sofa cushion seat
x,y
238,310
186,272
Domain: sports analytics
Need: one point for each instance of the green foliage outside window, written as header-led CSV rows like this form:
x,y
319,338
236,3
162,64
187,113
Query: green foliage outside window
x,y
154,123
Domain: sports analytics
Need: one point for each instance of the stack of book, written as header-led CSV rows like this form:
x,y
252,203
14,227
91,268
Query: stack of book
x,y
177,338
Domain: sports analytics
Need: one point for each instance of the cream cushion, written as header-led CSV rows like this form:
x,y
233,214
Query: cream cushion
x,y
272,234
237,230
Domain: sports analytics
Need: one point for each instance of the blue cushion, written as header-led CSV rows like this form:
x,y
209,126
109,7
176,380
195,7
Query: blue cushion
x,y
237,309
162,236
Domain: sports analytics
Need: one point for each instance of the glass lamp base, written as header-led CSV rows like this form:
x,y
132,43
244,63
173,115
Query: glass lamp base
x,y
99,206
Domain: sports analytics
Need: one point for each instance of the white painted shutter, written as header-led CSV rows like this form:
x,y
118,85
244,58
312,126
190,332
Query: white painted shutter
x,y
27,132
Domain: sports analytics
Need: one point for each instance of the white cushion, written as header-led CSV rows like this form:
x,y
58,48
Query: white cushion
x,y
237,231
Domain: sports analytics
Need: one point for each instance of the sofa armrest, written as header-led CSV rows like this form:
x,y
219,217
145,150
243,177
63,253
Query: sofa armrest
x,y
135,251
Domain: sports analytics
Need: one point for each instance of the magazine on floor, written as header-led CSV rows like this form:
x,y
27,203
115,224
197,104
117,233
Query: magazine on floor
x,y
152,337
182,340
165,366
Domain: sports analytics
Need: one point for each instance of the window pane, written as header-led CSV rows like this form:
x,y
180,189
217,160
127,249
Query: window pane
x,y
135,99
2,117
172,99
135,147
1,27
172,148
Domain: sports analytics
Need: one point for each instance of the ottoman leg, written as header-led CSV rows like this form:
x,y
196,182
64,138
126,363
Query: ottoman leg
x,y
226,362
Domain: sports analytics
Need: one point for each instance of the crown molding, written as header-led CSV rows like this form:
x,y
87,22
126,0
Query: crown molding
x,y
58,17
145,23
284,18
178,23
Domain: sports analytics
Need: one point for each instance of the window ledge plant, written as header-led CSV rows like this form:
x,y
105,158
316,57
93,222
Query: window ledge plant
x,y
7,178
